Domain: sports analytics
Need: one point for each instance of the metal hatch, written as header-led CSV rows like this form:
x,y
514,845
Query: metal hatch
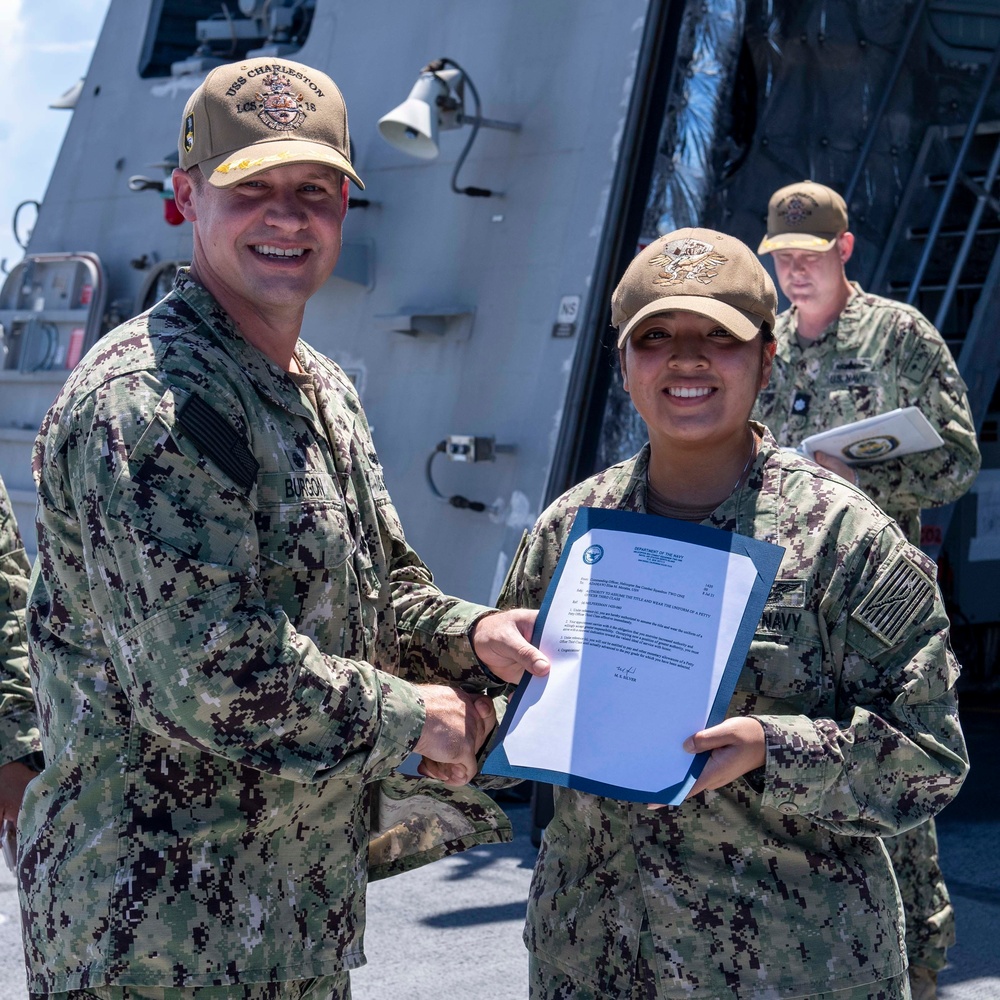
x,y
51,306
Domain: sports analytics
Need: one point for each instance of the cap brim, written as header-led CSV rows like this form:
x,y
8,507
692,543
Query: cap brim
x,y
742,325
231,168
797,241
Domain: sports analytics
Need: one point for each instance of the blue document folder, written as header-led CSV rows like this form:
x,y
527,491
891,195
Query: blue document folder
x,y
658,561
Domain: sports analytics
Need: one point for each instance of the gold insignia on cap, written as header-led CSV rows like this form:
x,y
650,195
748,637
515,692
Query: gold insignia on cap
x,y
224,168
803,242
687,260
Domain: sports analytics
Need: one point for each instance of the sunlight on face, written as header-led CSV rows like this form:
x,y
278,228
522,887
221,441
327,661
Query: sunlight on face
x,y
690,379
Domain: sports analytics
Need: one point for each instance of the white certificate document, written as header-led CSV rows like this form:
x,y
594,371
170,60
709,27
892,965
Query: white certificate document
x,y
647,623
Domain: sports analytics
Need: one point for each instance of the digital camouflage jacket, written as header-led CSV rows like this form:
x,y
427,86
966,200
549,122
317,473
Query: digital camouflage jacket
x,y
224,617
877,356
776,885
18,724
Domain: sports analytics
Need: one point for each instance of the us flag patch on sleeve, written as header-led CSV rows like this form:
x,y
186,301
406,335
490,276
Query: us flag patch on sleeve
x,y
899,596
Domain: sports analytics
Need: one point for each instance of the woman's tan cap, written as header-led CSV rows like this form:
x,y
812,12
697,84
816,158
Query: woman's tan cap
x,y
804,216
699,271
253,115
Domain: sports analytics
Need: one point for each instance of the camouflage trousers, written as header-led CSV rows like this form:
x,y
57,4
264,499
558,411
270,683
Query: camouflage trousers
x,y
337,987
546,982
930,919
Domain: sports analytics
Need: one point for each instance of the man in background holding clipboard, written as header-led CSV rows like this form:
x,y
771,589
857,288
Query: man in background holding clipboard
x,y
845,355
770,878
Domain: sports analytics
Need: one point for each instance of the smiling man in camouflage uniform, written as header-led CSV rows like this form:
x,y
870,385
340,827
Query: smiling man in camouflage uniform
x,y
231,642
843,355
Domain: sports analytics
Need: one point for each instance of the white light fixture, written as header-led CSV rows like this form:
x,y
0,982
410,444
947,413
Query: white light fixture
x,y
437,104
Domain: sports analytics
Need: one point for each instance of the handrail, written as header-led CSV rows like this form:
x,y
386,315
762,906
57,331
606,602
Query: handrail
x,y
978,362
949,190
983,198
877,279
979,358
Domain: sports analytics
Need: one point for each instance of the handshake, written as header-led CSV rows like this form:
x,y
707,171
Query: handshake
x,y
457,722
456,727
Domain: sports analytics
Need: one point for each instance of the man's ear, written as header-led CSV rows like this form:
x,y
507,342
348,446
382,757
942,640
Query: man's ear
x,y
184,188
845,246
345,189
622,368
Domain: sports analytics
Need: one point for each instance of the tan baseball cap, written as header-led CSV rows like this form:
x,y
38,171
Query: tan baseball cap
x,y
699,271
804,216
253,115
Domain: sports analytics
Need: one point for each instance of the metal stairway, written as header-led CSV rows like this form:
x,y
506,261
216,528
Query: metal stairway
x,y
942,254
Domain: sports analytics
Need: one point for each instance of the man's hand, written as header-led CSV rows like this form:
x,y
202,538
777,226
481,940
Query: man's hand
x,y
456,727
501,641
834,464
737,746
14,778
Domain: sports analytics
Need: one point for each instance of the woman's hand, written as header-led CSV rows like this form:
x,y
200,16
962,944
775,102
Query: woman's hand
x,y
736,745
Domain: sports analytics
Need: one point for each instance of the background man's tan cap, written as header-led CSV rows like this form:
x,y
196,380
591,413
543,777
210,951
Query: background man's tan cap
x,y
804,216
257,114
699,271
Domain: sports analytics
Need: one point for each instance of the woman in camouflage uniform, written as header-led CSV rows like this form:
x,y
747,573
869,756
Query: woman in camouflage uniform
x,y
770,880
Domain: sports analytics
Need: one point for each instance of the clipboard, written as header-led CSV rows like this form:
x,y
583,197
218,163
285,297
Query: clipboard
x,y
898,432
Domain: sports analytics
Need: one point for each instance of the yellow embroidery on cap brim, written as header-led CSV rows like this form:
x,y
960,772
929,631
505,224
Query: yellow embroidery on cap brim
x,y
224,168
